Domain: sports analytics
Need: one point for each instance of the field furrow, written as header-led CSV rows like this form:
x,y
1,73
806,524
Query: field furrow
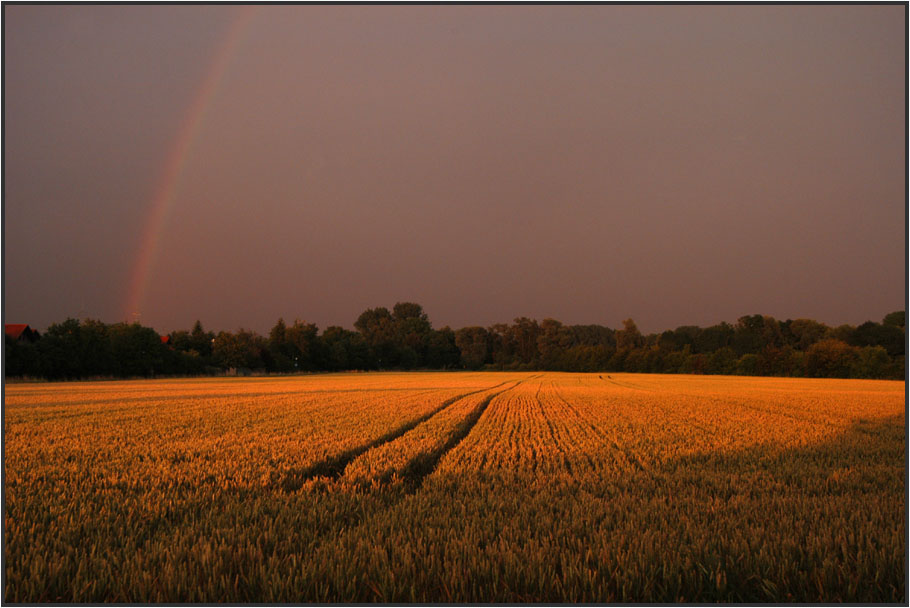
x,y
412,455
333,466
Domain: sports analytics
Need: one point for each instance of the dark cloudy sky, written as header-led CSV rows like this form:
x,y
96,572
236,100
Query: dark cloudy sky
x,y
676,164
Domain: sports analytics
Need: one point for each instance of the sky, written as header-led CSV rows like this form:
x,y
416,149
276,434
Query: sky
x,y
679,165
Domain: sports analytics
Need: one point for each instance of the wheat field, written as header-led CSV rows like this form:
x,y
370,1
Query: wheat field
x,y
456,487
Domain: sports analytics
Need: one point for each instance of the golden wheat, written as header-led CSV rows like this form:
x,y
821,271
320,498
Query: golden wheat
x,y
456,487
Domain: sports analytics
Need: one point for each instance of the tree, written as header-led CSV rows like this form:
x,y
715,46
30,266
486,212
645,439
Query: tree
x,y
553,340
412,331
896,319
136,350
803,333
713,338
473,343
753,333
679,338
695,363
776,361
59,350
747,365
404,338
304,346
643,359
96,356
871,362
669,341
524,335
890,337
503,345
345,349
202,340
830,359
593,335
278,334
442,351
629,337
181,341
844,333
243,349
585,358
378,329
21,358
284,355
722,361
675,362
193,349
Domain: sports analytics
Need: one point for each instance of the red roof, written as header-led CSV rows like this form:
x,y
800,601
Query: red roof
x,y
165,339
14,330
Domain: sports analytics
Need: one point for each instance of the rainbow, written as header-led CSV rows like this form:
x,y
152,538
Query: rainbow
x,y
166,190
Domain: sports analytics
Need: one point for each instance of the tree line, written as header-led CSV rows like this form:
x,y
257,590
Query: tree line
x,y
404,339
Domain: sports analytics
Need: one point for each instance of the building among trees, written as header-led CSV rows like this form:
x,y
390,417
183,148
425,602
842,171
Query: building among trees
x,y
20,332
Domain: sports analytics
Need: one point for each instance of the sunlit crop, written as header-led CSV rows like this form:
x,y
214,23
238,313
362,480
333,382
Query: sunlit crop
x,y
456,487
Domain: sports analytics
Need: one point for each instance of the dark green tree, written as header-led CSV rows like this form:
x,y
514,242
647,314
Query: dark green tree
x,y
721,361
748,365
871,362
202,340
21,358
239,351
803,333
524,336
96,354
830,359
345,349
593,335
890,337
473,343
378,329
59,350
503,346
553,341
629,337
136,350
306,347
412,333
284,356
713,338
844,333
442,351
896,318
753,333
679,338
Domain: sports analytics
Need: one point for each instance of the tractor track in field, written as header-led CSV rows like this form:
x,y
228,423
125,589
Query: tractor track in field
x,y
334,466
412,475
423,465
416,471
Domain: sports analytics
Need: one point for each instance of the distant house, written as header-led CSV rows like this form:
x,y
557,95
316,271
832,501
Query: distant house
x,y
166,340
20,332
